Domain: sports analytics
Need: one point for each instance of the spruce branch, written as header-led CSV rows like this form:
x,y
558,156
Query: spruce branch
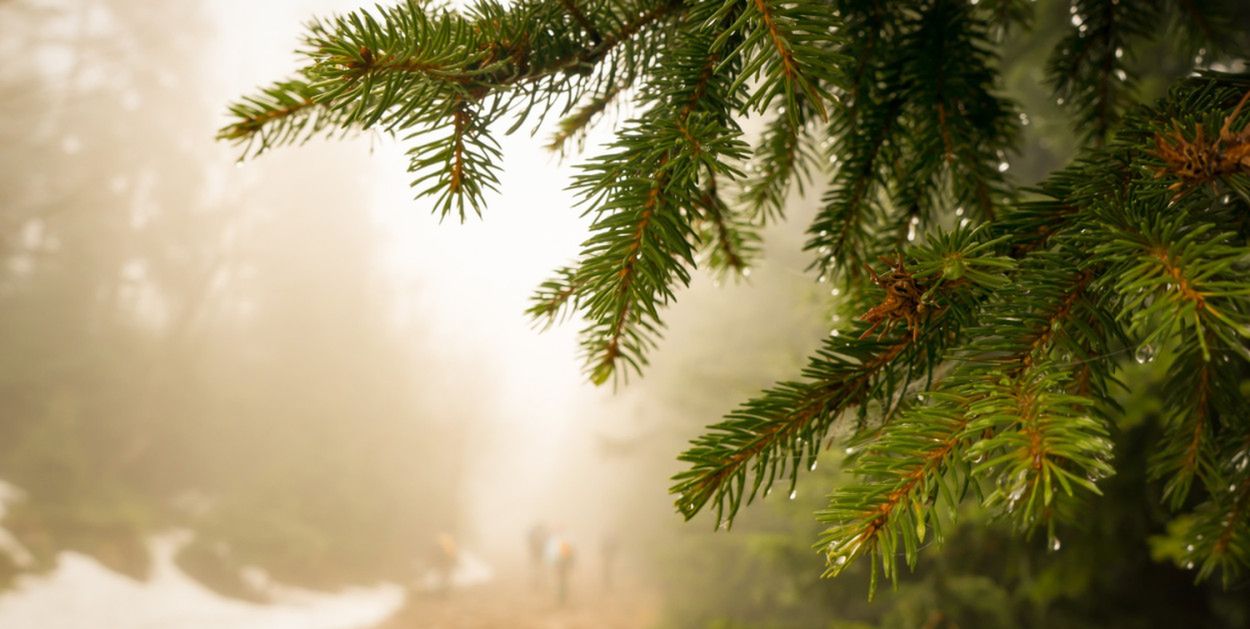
x,y
572,128
282,114
1191,411
772,435
730,241
1013,325
1088,68
1002,415
959,130
1175,275
843,233
411,66
1197,161
907,470
641,245
785,157
556,298
1218,533
1005,15
458,168
582,20
787,53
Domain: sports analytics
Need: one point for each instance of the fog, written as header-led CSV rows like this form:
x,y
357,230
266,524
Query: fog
x,y
263,394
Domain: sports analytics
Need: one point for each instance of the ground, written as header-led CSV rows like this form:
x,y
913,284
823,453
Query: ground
x,y
512,602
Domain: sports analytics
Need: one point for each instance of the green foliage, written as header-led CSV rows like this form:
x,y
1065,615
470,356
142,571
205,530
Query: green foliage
x,y
993,322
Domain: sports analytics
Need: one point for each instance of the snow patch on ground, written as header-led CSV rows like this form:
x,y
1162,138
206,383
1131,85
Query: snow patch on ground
x,y
82,594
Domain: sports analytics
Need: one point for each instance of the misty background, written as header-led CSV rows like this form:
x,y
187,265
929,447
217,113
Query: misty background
x,y
287,371
281,395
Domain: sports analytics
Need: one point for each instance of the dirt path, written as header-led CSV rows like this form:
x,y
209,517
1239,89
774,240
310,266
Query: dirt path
x,y
508,603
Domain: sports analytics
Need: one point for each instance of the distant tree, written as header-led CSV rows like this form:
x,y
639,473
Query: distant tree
x,y
984,327
172,356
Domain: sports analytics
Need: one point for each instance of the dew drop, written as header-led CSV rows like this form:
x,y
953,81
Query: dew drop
x,y
1189,565
1016,494
959,211
812,467
1189,548
1241,460
794,493
834,333
835,292
1055,545
850,451
1003,167
842,560
746,272
1145,354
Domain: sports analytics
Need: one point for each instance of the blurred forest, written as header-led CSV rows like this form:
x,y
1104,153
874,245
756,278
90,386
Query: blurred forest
x,y
190,346
183,350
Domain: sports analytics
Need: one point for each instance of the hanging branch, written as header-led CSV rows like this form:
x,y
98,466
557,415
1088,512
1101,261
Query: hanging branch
x,y
408,66
1089,68
773,434
1011,325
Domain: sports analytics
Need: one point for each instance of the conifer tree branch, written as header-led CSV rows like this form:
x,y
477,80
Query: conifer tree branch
x,y
785,157
868,519
787,46
1218,533
642,244
729,242
582,20
1185,453
574,126
843,230
1012,326
1088,69
770,435
959,130
556,298
403,67
1177,273
995,415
